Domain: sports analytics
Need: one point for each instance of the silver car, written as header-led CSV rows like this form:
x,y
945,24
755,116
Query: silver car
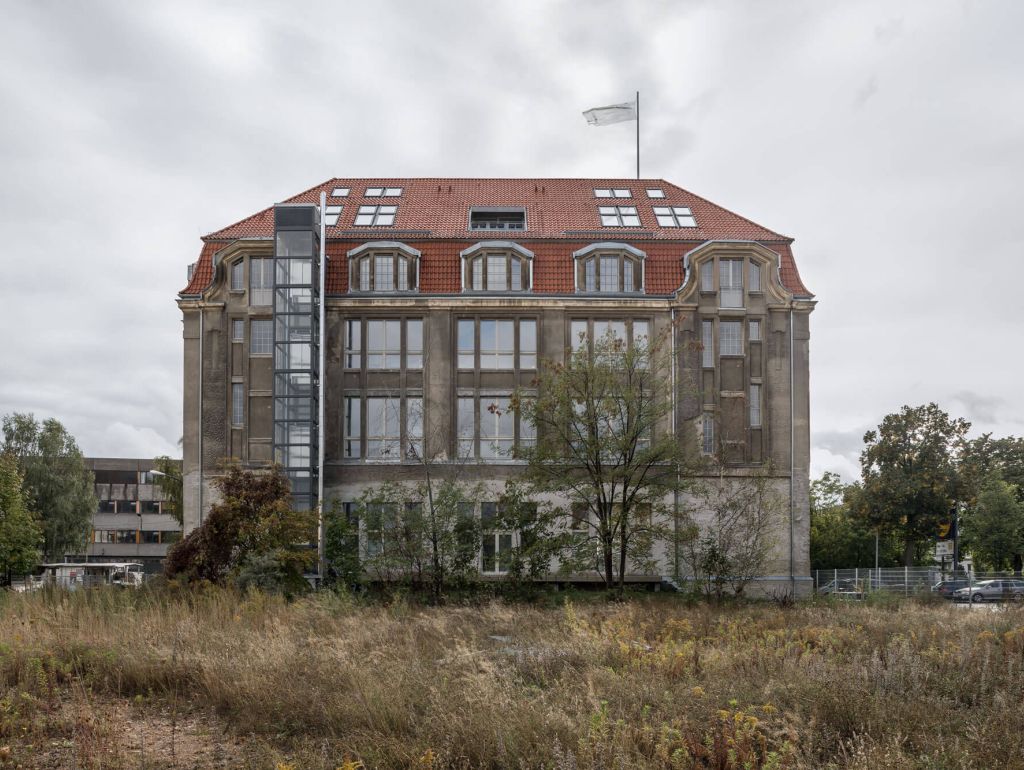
x,y
991,591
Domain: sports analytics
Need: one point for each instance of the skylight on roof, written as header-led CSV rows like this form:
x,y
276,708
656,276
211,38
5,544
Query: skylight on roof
x,y
383,192
619,216
331,214
655,192
375,216
340,192
607,192
674,216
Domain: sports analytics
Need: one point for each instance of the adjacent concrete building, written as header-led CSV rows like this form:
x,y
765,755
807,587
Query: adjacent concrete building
x,y
130,523
441,297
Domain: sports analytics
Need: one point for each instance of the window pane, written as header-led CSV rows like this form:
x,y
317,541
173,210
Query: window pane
x,y
641,334
237,330
353,344
403,274
755,406
352,426
527,429
237,403
261,282
708,431
466,343
730,281
707,276
619,193
497,280
364,274
383,431
383,272
609,274
477,268
466,416
755,331
730,338
527,344
627,275
517,274
294,271
590,267
708,343
294,301
414,427
497,427
755,277
414,343
578,334
237,276
261,336
297,243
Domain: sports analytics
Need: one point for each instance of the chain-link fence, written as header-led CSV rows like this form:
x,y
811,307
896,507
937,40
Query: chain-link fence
x,y
910,580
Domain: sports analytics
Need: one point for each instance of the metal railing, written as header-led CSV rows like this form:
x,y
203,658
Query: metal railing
x,y
901,580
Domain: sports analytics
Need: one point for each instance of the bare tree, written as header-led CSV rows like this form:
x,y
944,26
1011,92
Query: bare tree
x,y
733,546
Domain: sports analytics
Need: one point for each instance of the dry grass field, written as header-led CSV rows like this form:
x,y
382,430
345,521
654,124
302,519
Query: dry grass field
x,y
212,679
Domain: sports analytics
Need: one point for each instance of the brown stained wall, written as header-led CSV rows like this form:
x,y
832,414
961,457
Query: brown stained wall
x,y
722,389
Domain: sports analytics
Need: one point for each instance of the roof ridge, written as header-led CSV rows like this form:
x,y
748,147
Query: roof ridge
x,y
749,221
261,212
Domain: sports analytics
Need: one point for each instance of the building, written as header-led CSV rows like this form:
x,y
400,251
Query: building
x,y
441,297
130,523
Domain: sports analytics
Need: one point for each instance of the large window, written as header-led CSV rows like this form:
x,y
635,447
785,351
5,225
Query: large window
x,y
384,345
383,271
730,282
755,406
488,428
261,282
496,544
495,269
238,276
492,343
707,341
632,332
730,338
390,429
707,434
261,336
609,272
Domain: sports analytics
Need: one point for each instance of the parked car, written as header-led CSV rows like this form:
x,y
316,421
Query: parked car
x,y
842,588
946,588
991,591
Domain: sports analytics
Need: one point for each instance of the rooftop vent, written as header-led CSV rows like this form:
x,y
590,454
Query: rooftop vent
x,y
497,219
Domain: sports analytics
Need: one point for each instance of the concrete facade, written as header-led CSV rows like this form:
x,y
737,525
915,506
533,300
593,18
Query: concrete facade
x,y
130,523
769,311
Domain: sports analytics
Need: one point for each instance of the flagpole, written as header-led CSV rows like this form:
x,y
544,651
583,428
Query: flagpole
x,y
637,134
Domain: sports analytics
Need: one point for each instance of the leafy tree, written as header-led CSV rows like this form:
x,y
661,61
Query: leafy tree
x,y
341,546
169,481
537,544
603,445
56,482
839,538
910,474
993,529
253,520
422,534
20,532
986,456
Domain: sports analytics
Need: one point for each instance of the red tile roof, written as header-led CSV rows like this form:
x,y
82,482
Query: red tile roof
x,y
432,213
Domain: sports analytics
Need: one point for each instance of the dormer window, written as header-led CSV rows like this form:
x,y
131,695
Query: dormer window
x,y
383,267
331,214
609,268
497,266
497,219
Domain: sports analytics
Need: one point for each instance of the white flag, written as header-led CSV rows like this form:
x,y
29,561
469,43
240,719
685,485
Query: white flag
x,y
613,113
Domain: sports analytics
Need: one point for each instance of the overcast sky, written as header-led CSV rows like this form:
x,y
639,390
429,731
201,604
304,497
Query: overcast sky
x,y
887,138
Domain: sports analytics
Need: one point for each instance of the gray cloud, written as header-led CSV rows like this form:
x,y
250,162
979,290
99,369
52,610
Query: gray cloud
x,y
130,129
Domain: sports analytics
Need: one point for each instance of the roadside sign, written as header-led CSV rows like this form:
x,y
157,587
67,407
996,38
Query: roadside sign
x,y
944,548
